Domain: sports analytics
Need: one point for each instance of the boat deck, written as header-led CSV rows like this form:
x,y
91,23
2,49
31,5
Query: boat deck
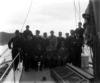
x,y
36,77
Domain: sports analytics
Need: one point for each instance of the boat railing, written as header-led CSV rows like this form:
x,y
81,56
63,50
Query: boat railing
x,y
2,79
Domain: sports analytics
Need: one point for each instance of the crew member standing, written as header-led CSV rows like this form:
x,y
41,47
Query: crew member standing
x,y
53,39
80,30
72,46
38,50
53,42
45,43
60,39
14,44
27,32
78,50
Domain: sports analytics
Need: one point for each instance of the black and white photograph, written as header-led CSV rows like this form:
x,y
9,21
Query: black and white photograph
x,y
49,41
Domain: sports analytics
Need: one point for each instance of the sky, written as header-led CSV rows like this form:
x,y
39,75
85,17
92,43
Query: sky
x,y
44,15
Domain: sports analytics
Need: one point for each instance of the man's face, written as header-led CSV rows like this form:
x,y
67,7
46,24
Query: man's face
x,y
72,32
60,34
45,35
27,28
79,24
16,34
37,33
67,35
52,33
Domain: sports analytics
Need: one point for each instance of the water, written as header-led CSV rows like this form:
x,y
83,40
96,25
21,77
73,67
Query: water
x,y
5,56
3,48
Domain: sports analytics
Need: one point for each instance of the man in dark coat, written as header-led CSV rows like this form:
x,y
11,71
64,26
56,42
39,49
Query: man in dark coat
x,y
14,44
53,39
38,50
45,43
27,32
72,46
60,39
28,49
78,51
80,30
63,54
67,42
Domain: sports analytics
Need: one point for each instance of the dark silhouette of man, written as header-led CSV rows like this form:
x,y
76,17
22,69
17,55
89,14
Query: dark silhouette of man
x,y
80,30
27,32
14,44
60,39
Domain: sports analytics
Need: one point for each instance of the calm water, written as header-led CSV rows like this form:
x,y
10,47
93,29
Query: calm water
x,y
3,48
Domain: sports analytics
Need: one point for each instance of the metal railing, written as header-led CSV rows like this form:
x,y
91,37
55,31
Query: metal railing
x,y
12,64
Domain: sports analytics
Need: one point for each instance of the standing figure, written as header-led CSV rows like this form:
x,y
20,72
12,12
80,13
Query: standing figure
x,y
27,32
78,50
51,53
63,54
80,30
14,44
53,39
38,50
28,49
45,43
60,39
72,47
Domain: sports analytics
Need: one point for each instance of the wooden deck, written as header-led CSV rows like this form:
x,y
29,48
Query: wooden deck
x,y
36,77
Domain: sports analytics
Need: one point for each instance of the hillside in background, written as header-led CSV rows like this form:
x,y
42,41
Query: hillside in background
x,y
5,37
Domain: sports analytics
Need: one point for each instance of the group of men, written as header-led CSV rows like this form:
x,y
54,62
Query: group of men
x,y
38,52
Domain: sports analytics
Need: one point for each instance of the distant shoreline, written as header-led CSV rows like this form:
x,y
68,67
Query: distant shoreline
x,y
3,44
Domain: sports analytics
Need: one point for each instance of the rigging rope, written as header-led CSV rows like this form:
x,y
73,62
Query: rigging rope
x,y
76,12
27,15
75,8
75,16
79,11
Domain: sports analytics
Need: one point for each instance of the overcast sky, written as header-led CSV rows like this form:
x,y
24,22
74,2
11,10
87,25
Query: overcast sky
x,y
45,15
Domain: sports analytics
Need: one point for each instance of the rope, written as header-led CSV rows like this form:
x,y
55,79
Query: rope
x,y
27,14
76,13
75,8
79,11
